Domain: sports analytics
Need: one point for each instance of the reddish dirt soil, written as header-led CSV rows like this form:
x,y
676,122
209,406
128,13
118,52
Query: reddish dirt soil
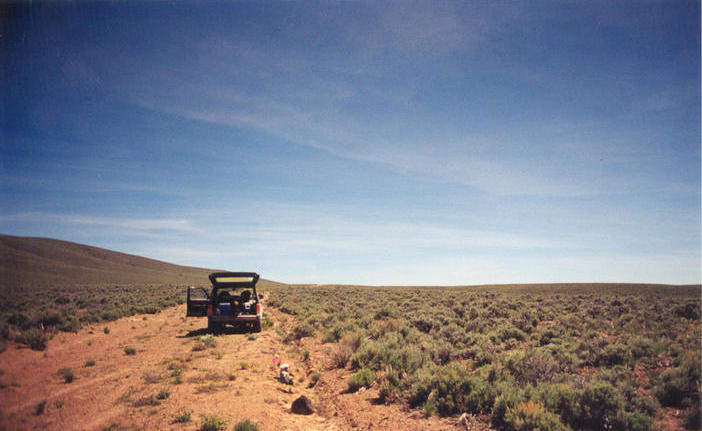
x,y
234,380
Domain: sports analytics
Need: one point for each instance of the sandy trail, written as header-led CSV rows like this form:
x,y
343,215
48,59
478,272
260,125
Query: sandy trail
x,y
234,381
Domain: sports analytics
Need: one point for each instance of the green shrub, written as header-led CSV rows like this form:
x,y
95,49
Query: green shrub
x,y
422,382
564,400
600,404
532,366
328,337
48,318
89,363
362,378
385,312
482,357
680,385
67,374
146,401
246,425
688,311
509,331
315,376
212,423
612,354
39,407
35,338
266,323
503,404
208,340
455,391
691,417
302,330
183,416
635,421
163,394
641,347
366,356
425,322
441,353
130,350
530,415
19,319
106,330
69,325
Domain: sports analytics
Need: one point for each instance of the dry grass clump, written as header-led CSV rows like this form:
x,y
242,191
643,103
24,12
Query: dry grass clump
x,y
347,346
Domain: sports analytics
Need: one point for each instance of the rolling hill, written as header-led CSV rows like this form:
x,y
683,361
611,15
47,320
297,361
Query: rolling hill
x,y
26,262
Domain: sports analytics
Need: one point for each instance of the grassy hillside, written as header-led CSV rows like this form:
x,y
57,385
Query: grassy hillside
x,y
42,262
48,285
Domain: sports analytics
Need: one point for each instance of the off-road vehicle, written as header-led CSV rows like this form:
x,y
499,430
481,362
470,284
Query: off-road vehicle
x,y
232,301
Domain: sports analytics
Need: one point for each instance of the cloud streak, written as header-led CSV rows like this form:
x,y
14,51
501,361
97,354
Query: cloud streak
x,y
144,225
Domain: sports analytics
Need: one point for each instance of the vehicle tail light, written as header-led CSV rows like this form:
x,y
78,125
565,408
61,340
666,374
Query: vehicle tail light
x,y
209,309
258,309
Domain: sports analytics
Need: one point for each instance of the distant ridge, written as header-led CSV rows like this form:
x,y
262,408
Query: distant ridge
x,y
35,262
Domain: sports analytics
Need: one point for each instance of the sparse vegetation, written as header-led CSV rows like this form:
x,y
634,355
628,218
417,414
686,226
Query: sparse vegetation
x,y
149,400
35,338
89,363
183,416
212,423
66,374
208,340
315,376
152,378
130,350
176,373
39,408
245,425
266,323
302,330
363,378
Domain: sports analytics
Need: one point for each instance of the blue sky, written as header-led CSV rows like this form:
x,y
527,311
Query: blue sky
x,y
361,142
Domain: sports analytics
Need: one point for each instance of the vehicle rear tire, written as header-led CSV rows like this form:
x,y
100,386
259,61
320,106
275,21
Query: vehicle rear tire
x,y
257,326
213,327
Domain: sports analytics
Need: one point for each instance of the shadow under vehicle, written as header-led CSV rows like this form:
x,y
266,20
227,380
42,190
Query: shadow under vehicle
x,y
233,300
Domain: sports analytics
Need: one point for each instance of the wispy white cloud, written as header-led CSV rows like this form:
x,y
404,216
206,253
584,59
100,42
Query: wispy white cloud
x,y
136,224
345,102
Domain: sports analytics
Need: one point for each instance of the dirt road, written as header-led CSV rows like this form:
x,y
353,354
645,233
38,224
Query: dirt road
x,y
173,373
